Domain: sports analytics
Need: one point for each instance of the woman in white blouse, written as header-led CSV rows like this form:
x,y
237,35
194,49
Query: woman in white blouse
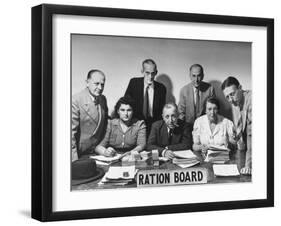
x,y
212,128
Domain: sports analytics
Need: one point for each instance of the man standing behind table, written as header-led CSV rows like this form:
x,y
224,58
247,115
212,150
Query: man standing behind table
x,y
170,134
89,115
241,103
149,95
194,95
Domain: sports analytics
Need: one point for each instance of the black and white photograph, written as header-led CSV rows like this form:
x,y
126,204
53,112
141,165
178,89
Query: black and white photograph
x,y
143,112
159,111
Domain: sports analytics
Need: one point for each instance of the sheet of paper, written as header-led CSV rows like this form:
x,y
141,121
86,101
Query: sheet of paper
x,y
106,159
218,148
226,170
102,163
184,154
188,165
121,172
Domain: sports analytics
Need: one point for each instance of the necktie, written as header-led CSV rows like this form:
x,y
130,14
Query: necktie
x,y
170,136
146,103
197,103
97,100
239,126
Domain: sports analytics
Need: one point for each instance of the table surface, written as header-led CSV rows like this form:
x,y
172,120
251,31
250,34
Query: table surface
x,y
235,158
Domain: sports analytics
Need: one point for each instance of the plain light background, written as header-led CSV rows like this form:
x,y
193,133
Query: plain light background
x,y
120,58
16,112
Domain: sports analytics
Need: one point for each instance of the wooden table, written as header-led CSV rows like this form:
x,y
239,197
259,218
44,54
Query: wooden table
x,y
235,158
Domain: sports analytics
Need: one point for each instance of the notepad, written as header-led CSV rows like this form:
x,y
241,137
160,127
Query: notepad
x,y
226,170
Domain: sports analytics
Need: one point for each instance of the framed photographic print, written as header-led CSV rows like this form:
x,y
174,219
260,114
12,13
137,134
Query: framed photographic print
x,y
146,112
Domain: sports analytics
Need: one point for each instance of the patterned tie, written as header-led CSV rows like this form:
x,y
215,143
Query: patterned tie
x,y
146,104
170,136
197,103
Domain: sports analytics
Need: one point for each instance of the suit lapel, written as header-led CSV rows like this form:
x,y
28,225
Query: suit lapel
x,y
155,98
90,108
140,88
190,94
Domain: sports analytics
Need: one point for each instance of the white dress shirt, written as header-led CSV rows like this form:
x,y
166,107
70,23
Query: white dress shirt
x,y
150,97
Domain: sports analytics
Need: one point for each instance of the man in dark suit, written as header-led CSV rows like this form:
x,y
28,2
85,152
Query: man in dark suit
x,y
170,134
150,96
89,116
194,95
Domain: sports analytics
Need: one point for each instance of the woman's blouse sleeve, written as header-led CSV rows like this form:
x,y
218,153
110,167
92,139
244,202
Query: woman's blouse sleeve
x,y
141,139
105,141
196,132
231,133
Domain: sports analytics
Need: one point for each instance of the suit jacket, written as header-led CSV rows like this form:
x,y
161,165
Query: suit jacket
x,y
89,121
186,103
135,89
246,111
158,138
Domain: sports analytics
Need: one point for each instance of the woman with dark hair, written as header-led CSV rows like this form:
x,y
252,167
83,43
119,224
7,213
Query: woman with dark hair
x,y
212,128
124,133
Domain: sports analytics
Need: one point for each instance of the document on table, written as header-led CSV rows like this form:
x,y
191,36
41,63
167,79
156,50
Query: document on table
x,y
107,159
185,154
187,164
122,172
226,170
218,147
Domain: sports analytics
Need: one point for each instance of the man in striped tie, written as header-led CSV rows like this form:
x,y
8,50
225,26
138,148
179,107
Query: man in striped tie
x,y
241,103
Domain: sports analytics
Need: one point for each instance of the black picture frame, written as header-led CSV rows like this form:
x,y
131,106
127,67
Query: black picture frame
x,y
42,108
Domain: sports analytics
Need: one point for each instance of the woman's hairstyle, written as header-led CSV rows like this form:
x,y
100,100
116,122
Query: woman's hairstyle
x,y
212,100
127,100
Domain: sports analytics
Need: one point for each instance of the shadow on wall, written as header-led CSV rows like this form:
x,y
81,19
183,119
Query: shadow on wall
x,y
225,106
166,81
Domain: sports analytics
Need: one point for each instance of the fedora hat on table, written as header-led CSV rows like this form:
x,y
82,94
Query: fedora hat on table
x,y
84,171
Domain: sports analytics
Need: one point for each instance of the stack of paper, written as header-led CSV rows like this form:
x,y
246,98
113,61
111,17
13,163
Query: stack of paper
x,y
217,154
119,175
185,158
226,170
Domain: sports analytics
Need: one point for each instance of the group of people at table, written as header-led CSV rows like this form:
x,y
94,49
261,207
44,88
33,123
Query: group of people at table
x,y
142,119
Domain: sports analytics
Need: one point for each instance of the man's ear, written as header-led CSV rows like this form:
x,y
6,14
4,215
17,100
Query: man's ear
x,y
240,86
86,81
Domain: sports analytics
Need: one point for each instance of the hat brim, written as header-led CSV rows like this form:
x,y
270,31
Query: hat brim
x,y
100,173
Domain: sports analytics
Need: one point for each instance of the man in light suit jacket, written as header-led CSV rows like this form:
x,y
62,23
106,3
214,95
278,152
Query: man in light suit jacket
x,y
241,103
170,134
89,116
194,95
149,95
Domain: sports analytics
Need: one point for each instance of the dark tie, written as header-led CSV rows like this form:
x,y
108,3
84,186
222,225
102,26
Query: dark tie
x,y
197,103
97,100
146,103
170,136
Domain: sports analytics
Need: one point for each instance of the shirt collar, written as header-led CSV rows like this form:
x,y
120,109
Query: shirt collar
x,y
151,86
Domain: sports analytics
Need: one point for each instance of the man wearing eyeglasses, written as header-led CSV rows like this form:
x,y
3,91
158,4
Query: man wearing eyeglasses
x,y
89,115
194,95
241,103
149,95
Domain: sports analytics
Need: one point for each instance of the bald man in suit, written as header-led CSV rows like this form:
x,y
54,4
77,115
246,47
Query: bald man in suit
x,y
150,96
194,95
89,116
